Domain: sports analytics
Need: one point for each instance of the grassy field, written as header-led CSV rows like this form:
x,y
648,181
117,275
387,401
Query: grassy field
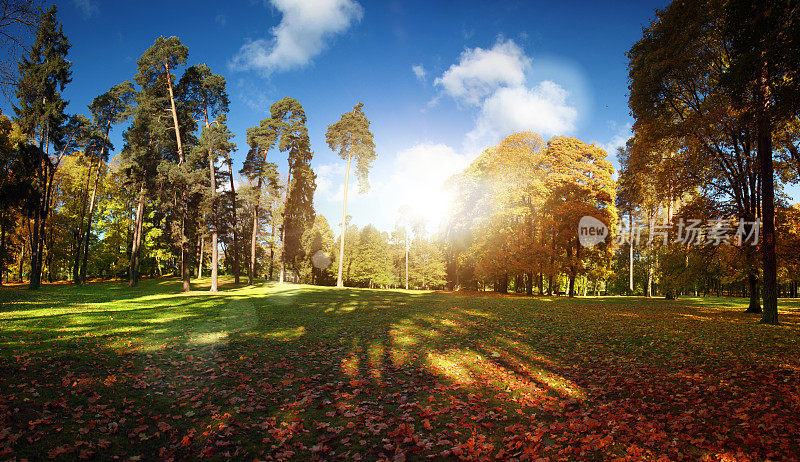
x,y
304,372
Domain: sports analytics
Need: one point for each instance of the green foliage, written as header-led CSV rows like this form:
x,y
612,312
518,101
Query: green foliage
x,y
43,75
352,139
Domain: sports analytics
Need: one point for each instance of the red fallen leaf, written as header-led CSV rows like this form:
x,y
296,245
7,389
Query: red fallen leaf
x,y
66,449
163,426
85,454
186,442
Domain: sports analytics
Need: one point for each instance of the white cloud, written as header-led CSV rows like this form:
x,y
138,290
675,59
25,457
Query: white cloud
x,y
480,72
303,33
495,81
328,176
89,8
617,141
543,109
221,19
419,71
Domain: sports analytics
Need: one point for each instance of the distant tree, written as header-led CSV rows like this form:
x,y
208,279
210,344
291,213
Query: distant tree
x,y
581,184
427,266
371,264
318,238
16,184
351,137
108,109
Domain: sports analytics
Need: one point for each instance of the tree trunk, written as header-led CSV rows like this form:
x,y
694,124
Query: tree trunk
x,y
764,150
133,273
501,284
235,232
200,257
283,228
339,283
571,284
2,245
406,262
187,286
76,270
251,274
272,245
630,255
21,260
35,281
755,296
89,217
214,237
529,283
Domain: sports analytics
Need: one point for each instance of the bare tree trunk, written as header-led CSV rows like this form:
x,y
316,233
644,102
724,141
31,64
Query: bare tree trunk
x,y
235,231
339,282
200,257
89,216
254,234
340,266
21,260
35,278
283,228
187,286
214,247
272,243
630,254
2,245
76,270
133,273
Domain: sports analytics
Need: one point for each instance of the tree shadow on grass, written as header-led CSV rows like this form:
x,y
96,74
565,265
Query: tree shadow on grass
x,y
319,373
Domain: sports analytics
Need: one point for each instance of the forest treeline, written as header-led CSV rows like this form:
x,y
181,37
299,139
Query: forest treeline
x,y
713,91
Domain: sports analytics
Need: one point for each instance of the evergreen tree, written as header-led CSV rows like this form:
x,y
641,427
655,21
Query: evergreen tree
x,y
155,68
260,172
43,75
206,97
215,140
351,137
298,213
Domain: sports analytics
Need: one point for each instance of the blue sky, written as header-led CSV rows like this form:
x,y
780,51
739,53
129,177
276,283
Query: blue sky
x,y
440,81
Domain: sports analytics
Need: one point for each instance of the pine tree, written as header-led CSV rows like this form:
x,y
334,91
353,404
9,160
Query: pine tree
x,y
351,137
155,68
256,168
43,75
298,211
205,94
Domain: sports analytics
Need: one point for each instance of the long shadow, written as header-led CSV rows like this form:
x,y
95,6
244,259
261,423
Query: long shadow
x,y
315,373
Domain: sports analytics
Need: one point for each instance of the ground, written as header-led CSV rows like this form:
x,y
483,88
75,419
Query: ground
x,y
304,372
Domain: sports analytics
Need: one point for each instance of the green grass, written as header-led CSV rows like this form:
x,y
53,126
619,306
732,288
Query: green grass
x,y
309,372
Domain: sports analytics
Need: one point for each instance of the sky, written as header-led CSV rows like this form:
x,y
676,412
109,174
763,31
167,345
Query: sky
x,y
440,80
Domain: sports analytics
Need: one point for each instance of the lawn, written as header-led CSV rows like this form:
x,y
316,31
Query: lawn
x,y
304,372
